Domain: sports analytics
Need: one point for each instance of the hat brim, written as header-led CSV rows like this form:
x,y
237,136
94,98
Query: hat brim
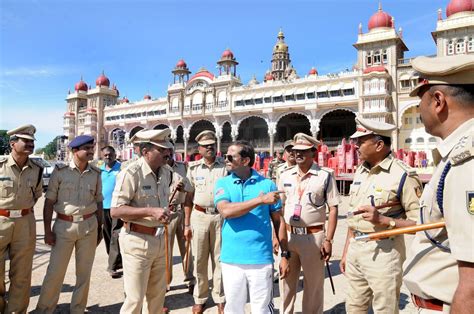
x,y
358,134
302,147
164,144
206,142
28,137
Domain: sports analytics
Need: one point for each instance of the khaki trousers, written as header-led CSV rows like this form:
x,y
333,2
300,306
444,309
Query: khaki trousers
x,y
144,265
305,253
176,228
17,238
206,243
81,236
374,272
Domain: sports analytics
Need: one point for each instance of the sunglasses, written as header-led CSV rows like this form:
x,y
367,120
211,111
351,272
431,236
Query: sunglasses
x,y
230,158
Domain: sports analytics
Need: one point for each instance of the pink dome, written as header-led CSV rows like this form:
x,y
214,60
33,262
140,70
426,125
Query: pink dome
x,y
147,97
456,6
269,77
313,71
227,54
203,73
81,85
181,64
102,80
125,100
380,19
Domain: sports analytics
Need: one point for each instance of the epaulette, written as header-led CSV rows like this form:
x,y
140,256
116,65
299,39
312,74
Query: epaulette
x,y
36,163
95,168
409,170
132,167
194,163
168,167
286,169
328,170
60,166
462,151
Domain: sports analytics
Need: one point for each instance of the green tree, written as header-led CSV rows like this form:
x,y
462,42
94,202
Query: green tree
x,y
4,145
49,150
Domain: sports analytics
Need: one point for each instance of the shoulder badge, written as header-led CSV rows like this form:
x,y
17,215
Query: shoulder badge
x,y
132,167
194,163
409,170
61,166
36,163
95,168
286,169
462,151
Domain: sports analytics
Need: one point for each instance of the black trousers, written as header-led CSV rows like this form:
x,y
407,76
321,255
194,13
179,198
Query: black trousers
x,y
111,232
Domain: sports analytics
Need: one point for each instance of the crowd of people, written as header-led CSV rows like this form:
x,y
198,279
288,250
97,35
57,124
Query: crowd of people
x,y
222,210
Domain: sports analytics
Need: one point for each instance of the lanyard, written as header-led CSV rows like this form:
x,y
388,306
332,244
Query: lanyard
x,y
300,187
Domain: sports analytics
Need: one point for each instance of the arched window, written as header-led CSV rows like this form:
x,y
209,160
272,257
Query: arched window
x,y
384,56
450,48
369,58
408,141
460,46
377,57
432,140
420,140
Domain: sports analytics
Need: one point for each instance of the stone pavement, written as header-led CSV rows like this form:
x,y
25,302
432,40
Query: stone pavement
x,y
106,294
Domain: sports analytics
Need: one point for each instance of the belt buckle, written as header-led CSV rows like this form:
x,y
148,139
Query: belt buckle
x,y
299,230
16,213
211,210
77,218
159,231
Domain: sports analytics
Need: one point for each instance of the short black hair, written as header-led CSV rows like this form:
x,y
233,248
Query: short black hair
x,y
385,139
246,150
13,138
146,145
464,93
109,148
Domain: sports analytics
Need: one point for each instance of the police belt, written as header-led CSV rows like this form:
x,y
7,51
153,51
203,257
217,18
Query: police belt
x,y
142,229
74,218
304,230
429,304
15,213
206,210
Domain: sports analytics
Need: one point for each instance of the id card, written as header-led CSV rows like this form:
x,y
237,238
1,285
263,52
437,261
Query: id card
x,y
297,212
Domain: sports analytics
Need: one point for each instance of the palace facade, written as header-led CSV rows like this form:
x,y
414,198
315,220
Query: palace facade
x,y
283,103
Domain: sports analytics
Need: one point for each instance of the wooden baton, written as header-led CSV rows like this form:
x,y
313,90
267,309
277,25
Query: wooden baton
x,y
357,212
404,230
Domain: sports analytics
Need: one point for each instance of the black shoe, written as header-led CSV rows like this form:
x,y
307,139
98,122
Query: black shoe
x,y
115,274
191,289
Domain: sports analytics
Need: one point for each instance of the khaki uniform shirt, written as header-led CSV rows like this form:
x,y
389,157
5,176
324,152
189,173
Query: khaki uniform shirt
x,y
272,168
179,172
203,178
73,192
430,272
279,170
19,188
382,182
139,186
312,191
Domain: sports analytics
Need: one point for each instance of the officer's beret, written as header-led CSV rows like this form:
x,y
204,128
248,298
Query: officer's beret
x,y
450,70
288,143
156,137
81,140
366,127
206,137
303,141
25,131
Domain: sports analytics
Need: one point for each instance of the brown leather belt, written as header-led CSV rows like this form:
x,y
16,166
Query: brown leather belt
x,y
140,228
204,210
429,304
15,213
304,230
74,218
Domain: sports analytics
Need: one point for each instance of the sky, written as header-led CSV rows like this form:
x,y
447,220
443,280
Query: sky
x,y
46,46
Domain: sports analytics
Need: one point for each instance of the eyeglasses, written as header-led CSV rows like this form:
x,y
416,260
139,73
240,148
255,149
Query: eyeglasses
x,y
230,158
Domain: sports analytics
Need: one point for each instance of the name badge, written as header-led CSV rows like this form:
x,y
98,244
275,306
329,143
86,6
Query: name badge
x,y
199,178
297,212
287,184
146,187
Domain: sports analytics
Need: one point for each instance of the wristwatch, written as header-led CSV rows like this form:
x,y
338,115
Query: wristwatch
x,y
330,241
391,224
285,254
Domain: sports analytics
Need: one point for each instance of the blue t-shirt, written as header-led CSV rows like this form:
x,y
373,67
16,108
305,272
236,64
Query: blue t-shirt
x,y
108,182
246,239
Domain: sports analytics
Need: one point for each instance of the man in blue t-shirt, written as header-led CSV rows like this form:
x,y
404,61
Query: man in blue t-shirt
x,y
247,201
109,170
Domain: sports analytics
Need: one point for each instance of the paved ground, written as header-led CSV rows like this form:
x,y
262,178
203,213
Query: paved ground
x,y
106,294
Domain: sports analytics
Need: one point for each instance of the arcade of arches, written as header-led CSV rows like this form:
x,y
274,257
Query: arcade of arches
x,y
265,135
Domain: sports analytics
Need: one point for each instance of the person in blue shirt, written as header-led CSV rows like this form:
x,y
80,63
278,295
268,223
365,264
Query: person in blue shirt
x,y
109,170
247,201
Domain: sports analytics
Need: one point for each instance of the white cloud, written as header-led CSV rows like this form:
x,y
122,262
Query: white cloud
x,y
40,71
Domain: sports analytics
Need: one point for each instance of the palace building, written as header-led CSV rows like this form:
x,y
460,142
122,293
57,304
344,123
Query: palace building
x,y
270,111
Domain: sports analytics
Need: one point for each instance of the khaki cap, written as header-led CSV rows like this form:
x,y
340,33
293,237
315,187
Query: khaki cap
x,y
448,70
303,141
159,138
25,131
367,127
206,137
288,143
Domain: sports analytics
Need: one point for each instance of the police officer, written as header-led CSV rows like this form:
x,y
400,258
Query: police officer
x,y
272,167
203,226
140,199
289,158
309,190
75,194
176,225
20,187
439,271
374,269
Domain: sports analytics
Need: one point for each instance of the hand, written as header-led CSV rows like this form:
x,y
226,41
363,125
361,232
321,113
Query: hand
x,y
180,186
188,233
160,214
49,238
342,264
284,267
276,245
270,198
371,214
326,250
